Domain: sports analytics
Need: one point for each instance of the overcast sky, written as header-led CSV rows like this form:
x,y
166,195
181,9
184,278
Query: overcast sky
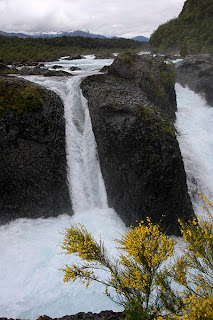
x,y
108,17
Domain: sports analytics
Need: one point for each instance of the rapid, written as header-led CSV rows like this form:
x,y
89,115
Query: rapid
x,y
30,282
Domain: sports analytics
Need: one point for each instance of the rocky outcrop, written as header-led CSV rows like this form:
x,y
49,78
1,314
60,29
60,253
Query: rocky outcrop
x,y
131,110
56,66
152,76
38,71
105,69
33,158
75,69
196,72
77,57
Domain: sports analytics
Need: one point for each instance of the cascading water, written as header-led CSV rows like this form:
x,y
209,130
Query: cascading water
x,y
31,284
195,135
85,179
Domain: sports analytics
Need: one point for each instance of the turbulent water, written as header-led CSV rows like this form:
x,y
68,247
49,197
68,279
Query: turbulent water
x,y
30,283
195,135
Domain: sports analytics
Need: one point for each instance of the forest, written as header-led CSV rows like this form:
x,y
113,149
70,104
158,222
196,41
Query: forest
x,y
14,49
190,33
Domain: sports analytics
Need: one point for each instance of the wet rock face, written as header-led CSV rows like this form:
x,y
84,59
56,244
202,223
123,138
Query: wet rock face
x,y
153,76
33,158
196,72
139,154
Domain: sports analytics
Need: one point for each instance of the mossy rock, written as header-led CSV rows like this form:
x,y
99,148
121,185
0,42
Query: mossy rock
x,y
158,121
126,57
20,96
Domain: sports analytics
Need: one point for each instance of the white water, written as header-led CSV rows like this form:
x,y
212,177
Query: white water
x,y
30,283
195,127
86,183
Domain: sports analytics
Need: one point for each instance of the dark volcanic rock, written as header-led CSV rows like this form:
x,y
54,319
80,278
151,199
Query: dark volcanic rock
x,y
38,71
105,69
56,66
152,75
139,154
75,68
61,73
33,159
196,72
77,57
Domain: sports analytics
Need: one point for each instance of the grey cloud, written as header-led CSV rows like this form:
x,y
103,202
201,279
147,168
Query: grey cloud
x,y
112,17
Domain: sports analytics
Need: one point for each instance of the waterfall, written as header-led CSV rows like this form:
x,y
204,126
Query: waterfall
x,y
84,174
30,283
86,183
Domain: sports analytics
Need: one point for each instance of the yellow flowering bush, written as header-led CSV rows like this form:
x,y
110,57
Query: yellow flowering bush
x,y
134,275
192,272
145,283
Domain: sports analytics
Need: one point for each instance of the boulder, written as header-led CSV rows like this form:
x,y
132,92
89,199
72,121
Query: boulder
x,y
105,69
56,66
196,72
131,110
40,71
33,180
75,69
77,57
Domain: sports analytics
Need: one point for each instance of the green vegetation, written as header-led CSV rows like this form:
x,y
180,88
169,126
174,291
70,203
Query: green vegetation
x,y
20,98
158,121
16,49
143,282
191,32
125,57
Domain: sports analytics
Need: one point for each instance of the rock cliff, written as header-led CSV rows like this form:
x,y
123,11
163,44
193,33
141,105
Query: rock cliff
x,y
33,158
131,109
196,72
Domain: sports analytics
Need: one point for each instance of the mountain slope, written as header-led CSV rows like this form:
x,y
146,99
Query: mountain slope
x,y
191,32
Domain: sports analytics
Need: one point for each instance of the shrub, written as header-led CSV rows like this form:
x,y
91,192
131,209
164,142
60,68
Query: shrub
x,y
192,272
134,275
146,285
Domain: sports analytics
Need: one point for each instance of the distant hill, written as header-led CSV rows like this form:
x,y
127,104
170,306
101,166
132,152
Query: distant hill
x,y
71,33
191,32
74,33
141,38
13,34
